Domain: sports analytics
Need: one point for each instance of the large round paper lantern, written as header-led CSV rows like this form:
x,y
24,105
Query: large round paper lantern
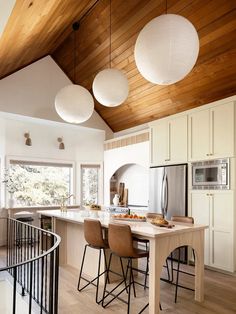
x,y
166,49
74,104
110,87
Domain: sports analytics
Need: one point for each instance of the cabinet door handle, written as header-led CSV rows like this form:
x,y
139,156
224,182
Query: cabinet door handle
x,y
208,154
167,159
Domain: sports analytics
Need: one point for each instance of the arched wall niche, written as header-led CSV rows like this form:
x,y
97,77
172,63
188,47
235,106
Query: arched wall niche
x,y
135,179
114,159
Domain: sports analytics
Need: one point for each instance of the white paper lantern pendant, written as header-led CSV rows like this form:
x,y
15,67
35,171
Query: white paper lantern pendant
x,y
166,49
74,103
110,86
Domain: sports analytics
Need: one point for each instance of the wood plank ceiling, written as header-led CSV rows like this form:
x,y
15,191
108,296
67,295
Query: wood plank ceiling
x,y
44,27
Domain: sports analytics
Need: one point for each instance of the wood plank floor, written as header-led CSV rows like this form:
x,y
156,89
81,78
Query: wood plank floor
x,y
220,296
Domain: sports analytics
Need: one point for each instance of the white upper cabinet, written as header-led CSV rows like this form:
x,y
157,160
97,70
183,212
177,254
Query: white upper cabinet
x,y
211,132
169,141
222,120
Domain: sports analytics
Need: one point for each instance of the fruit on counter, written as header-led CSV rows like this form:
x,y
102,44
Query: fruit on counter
x,y
129,216
95,207
160,221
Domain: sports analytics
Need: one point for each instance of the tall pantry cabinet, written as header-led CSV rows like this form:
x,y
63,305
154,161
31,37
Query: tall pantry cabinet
x,y
203,133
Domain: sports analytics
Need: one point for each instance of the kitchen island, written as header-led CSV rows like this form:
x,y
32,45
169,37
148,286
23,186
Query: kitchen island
x,y
69,225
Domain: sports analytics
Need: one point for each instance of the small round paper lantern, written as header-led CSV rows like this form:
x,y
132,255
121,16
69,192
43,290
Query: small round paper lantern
x,y
74,104
110,87
166,49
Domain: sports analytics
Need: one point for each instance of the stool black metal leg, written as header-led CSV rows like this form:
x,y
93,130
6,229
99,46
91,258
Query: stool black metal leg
x,y
177,277
132,275
81,269
168,271
123,273
105,260
98,276
172,266
106,280
146,274
130,281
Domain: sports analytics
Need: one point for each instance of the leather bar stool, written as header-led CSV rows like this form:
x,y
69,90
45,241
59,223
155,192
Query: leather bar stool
x,y
121,244
187,220
150,216
94,236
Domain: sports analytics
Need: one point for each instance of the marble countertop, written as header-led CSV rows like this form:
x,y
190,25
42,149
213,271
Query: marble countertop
x,y
145,229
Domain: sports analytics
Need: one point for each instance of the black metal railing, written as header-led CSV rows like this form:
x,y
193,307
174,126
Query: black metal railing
x,y
31,258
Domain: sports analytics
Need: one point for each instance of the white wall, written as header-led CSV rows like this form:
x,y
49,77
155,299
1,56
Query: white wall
x,y
118,157
6,7
81,144
136,180
31,92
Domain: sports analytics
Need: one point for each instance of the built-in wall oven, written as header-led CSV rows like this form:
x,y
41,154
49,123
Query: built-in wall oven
x,y
211,174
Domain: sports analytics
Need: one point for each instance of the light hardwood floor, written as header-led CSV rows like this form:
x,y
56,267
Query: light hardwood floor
x,y
220,296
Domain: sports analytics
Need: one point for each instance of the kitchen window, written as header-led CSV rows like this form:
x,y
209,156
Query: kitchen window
x,y
38,183
90,184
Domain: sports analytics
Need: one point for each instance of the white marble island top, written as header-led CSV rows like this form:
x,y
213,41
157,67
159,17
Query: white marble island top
x,y
139,228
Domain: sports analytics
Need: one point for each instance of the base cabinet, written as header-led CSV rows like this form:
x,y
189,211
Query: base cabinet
x,y
215,209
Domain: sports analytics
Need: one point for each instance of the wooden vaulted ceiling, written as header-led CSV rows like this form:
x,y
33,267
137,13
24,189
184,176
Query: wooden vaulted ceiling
x,y
40,27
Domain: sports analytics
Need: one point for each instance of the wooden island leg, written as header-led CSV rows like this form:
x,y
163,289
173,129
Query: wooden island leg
x,y
154,277
199,266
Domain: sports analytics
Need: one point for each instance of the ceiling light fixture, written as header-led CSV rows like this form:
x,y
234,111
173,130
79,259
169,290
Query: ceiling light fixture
x,y
166,49
74,103
110,86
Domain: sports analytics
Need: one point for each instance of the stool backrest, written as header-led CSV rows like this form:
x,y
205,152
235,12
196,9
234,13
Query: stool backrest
x,y
93,233
154,215
185,219
120,240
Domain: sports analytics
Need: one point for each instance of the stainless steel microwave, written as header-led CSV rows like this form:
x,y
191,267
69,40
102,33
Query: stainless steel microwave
x,y
211,174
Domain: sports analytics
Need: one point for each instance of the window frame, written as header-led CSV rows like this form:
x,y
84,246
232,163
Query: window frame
x,y
42,161
100,180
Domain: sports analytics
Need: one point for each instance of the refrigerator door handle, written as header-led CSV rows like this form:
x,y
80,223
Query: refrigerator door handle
x,y
165,195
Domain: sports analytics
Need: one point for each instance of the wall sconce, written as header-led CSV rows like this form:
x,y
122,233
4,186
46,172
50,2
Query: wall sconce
x,y
61,145
28,140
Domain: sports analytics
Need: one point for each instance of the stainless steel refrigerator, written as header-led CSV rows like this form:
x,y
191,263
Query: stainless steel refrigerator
x,y
168,195
168,190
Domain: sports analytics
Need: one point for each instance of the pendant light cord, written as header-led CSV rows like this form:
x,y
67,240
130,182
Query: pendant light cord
x,y
75,27
110,37
74,56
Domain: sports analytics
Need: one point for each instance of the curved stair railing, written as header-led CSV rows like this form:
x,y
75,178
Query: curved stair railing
x,y
30,259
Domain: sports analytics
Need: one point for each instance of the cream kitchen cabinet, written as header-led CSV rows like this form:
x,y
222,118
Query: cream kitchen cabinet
x,y
169,141
211,132
215,209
